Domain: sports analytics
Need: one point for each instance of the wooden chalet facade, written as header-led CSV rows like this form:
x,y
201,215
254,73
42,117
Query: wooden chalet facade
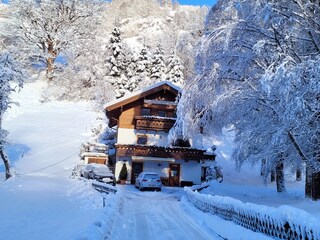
x,y
143,120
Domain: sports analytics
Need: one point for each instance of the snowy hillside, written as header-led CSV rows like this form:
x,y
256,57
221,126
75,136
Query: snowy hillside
x,y
44,146
175,28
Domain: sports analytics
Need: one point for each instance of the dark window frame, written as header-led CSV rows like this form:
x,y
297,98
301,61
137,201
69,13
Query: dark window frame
x,y
162,113
145,111
142,139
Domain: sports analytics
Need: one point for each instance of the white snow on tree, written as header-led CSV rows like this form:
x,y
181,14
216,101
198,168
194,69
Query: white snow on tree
x,y
10,72
45,30
256,71
143,64
158,66
121,65
175,70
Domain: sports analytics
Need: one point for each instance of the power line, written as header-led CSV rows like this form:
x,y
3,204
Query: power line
x,y
49,166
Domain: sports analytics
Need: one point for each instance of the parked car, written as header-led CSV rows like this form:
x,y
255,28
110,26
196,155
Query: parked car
x,y
148,180
99,172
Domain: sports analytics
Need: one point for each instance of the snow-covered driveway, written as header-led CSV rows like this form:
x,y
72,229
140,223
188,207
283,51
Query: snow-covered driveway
x,y
156,215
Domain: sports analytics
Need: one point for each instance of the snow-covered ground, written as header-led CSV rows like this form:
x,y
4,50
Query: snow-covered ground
x,y
43,202
168,215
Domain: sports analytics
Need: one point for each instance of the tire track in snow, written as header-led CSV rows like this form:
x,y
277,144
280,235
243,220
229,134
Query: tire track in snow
x,y
156,216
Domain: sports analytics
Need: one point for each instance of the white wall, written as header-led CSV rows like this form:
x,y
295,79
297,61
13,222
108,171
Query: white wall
x,y
158,138
129,136
150,166
190,171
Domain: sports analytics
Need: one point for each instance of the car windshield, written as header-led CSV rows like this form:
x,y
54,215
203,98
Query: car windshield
x,y
101,170
151,176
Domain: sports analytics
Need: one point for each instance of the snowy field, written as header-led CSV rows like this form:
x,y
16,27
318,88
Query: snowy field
x,y
42,202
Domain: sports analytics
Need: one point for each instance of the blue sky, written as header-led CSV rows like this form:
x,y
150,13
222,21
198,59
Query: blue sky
x,y
198,2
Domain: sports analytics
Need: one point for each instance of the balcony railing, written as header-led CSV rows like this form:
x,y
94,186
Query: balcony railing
x,y
178,153
154,123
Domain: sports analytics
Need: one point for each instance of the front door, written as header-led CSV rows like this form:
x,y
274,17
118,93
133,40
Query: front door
x,y
137,168
174,175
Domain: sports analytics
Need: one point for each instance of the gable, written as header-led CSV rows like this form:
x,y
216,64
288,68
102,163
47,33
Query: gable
x,y
160,93
149,93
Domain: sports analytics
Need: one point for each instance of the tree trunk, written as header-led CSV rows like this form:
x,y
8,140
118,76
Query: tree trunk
x,y
308,184
50,61
273,175
263,167
312,186
280,178
298,175
6,162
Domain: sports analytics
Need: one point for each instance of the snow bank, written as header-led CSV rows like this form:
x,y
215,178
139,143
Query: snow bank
x,y
282,223
101,227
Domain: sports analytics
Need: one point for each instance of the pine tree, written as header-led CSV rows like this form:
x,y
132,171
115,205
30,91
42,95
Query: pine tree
x,y
121,65
175,70
116,49
123,173
158,67
143,63
142,68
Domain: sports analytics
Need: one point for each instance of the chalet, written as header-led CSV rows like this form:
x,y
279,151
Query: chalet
x,y
143,120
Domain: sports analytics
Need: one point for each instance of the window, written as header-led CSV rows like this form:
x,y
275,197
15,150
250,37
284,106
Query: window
x,y
162,113
142,139
145,112
181,143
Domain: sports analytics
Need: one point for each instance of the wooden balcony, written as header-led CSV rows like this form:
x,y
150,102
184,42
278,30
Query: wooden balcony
x,y
154,123
178,153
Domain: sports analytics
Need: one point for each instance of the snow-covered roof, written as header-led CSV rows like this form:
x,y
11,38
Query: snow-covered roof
x,y
93,154
160,102
154,159
141,92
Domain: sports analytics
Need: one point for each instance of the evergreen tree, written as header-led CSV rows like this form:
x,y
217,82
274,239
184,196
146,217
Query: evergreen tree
x,y
175,70
116,63
121,65
143,65
123,173
158,67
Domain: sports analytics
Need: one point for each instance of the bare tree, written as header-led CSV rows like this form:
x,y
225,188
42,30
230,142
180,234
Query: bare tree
x,y
45,30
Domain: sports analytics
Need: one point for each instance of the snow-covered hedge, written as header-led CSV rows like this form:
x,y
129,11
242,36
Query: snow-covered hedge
x,y
281,223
